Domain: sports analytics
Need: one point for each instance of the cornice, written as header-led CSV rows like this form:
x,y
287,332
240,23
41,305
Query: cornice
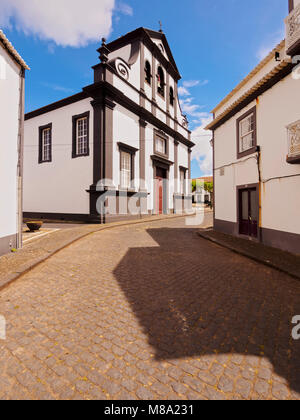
x,y
268,81
102,89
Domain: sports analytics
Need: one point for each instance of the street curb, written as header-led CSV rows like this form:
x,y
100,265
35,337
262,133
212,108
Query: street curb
x,y
248,255
13,277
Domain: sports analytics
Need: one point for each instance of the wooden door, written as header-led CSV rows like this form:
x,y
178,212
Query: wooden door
x,y
160,190
248,212
160,195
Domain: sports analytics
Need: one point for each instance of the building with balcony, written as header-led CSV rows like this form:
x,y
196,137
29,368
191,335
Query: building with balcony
x,y
119,147
256,142
12,85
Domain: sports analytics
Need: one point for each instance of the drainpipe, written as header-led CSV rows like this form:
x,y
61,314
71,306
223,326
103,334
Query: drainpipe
x,y
20,159
259,192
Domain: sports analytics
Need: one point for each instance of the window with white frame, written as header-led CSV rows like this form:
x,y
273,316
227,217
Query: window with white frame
x,y
160,145
246,133
82,136
126,170
46,145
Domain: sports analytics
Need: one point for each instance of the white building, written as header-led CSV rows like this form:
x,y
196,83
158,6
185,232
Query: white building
x,y
200,195
257,149
12,76
125,130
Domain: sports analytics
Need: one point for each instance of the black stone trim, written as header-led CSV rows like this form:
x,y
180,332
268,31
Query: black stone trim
x,y
41,129
97,141
162,161
161,135
275,238
144,35
56,105
283,240
132,151
83,95
226,227
74,134
104,88
253,149
126,148
144,96
62,217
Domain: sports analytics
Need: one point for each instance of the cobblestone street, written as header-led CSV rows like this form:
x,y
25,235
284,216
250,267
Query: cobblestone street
x,y
150,311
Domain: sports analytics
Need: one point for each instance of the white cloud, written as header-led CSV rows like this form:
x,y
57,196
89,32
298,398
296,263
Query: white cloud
x,y
125,9
65,22
191,109
57,88
193,83
190,83
188,108
269,44
182,91
202,151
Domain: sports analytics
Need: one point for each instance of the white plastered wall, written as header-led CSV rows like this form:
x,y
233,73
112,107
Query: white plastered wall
x,y
125,130
280,198
279,107
59,186
9,112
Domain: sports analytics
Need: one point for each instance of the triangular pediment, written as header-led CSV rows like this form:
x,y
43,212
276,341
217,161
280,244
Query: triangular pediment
x,y
160,39
152,39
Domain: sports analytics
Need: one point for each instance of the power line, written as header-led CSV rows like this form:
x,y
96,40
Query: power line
x,y
107,142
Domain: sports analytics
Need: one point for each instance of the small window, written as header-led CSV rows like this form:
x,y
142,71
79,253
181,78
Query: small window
x,y
46,148
172,96
161,145
45,144
80,135
148,75
246,133
126,170
161,81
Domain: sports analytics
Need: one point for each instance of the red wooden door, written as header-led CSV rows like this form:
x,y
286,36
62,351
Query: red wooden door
x,y
159,195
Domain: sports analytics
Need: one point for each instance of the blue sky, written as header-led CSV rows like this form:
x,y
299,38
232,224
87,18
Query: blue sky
x,y
215,44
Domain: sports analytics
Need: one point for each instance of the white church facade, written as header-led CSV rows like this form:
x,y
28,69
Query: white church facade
x,y
119,147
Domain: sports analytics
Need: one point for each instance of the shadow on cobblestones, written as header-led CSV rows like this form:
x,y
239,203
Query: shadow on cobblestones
x,y
211,302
